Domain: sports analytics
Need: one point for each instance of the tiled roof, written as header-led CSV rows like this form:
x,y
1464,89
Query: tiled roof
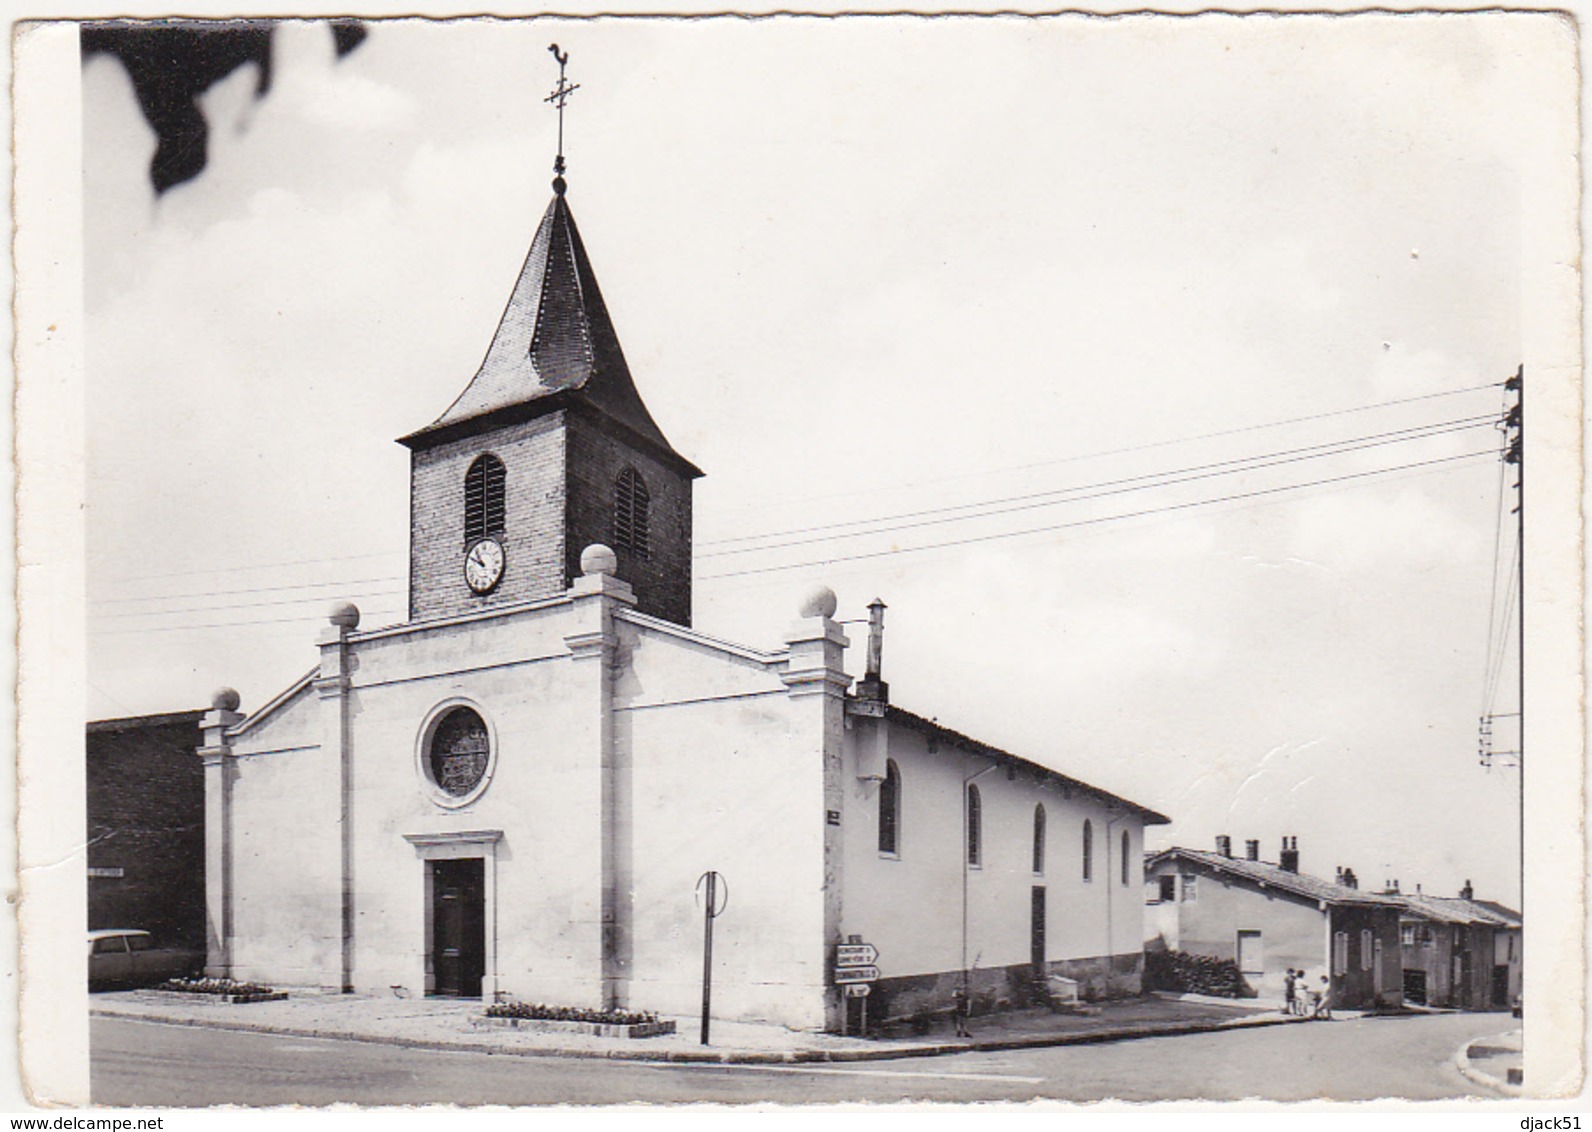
x,y
1269,875
1456,910
1505,913
957,739
555,338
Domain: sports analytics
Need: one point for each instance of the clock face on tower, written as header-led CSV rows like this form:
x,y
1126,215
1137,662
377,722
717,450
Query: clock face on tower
x,y
483,565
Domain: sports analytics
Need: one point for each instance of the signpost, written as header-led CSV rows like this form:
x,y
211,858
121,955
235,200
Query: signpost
x,y
712,909
856,972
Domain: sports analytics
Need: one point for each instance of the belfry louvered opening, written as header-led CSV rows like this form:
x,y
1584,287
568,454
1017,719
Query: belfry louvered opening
x,y
484,503
631,502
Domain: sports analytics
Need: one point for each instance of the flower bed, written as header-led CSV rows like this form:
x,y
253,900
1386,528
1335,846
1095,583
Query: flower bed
x,y
225,990
577,1020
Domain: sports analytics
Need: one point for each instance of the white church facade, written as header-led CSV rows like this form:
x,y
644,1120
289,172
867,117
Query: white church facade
x,y
513,795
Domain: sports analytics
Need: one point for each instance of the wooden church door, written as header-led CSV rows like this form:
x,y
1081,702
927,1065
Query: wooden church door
x,y
458,926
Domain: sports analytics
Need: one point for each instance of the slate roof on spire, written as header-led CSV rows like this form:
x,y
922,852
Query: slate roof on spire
x,y
554,344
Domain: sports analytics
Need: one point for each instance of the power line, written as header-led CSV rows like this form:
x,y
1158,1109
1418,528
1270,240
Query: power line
x,y
254,566
1458,421
227,624
1183,439
1130,483
250,604
254,590
1101,519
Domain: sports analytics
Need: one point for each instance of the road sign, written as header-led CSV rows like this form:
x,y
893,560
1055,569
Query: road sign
x,y
856,955
844,975
858,990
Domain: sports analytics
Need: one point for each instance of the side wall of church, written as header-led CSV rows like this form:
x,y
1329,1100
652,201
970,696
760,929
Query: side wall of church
x,y
661,580
286,886
910,904
533,455
724,772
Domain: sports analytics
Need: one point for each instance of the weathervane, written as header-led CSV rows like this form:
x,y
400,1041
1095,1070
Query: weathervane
x,y
560,95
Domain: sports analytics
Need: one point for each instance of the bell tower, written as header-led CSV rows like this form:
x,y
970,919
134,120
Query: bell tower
x,y
548,449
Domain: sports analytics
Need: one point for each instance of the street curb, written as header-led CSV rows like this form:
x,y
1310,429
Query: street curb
x,y
1476,1076
749,1057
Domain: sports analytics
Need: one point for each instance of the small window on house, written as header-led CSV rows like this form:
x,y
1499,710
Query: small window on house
x,y
1088,849
1168,889
1340,953
1127,860
1039,840
975,830
1407,935
484,503
890,810
1191,890
631,501
1367,950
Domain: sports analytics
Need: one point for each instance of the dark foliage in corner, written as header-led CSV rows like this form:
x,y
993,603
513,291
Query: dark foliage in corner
x,y
1183,973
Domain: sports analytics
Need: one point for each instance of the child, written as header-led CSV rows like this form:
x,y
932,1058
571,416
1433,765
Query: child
x,y
1323,1000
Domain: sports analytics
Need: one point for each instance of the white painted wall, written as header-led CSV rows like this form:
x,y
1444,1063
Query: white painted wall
x,y
910,906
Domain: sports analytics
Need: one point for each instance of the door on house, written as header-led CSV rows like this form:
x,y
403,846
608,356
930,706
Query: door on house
x,y
1500,985
458,927
1036,931
1251,955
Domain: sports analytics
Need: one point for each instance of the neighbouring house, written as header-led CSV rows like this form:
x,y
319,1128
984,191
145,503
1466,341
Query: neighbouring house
x,y
145,808
1268,918
517,792
1459,952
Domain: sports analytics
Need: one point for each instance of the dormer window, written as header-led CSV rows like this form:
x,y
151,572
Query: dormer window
x,y
484,503
631,501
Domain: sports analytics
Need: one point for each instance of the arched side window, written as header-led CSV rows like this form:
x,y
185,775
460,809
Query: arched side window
x,y
631,501
1088,850
1039,840
890,810
975,827
484,504
1126,859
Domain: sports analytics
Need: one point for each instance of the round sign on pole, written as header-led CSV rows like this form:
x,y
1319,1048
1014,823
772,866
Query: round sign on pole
x,y
858,990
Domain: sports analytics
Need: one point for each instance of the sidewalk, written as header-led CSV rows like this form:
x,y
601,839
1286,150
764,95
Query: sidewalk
x,y
450,1024
1495,1062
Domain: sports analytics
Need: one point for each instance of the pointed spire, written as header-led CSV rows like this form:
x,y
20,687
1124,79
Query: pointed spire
x,y
555,337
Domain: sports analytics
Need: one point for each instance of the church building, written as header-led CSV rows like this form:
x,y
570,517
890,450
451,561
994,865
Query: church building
x,y
514,794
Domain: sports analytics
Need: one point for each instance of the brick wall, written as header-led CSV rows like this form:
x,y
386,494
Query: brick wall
x,y
146,800
662,580
533,455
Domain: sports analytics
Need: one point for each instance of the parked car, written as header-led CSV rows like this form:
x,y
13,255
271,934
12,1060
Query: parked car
x,y
127,957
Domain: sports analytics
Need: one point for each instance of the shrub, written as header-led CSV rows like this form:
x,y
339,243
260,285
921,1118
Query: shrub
x,y
215,986
543,1013
1184,973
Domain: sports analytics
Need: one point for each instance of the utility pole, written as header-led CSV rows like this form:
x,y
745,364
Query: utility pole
x,y
1515,453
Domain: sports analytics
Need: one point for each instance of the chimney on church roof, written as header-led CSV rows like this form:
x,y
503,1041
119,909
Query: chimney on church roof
x,y
1224,845
872,686
1467,893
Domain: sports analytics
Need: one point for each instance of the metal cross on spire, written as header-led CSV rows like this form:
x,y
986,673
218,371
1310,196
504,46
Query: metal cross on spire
x,y
560,95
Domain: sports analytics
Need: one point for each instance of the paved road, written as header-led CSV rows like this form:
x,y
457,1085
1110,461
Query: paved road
x,y
141,1063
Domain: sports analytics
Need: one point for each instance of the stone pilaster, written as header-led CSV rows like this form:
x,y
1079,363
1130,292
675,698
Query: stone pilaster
x,y
332,684
816,681
593,644
220,772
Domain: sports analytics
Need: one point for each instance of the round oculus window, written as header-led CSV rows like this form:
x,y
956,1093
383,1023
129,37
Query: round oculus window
x,y
459,752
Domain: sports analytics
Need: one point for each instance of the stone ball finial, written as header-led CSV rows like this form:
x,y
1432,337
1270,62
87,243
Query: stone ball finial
x,y
598,559
225,699
821,602
344,614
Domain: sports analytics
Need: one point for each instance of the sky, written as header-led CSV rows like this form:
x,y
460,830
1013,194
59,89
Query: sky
x,y
979,283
